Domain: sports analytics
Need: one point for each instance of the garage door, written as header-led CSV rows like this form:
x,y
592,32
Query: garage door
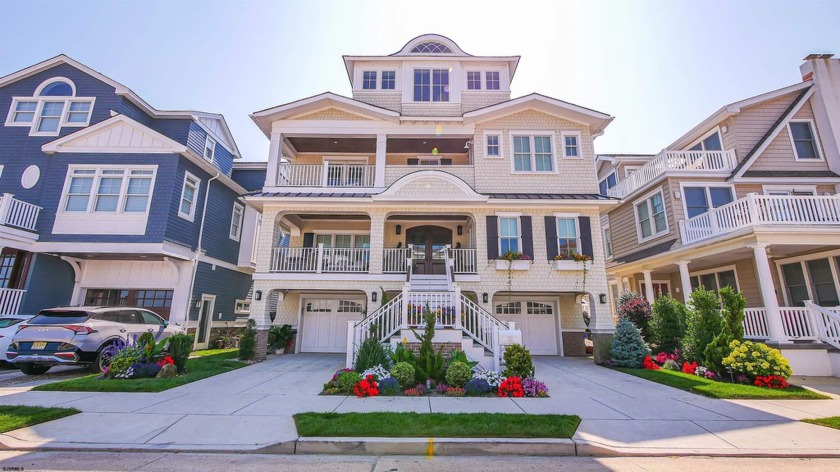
x,y
325,324
537,321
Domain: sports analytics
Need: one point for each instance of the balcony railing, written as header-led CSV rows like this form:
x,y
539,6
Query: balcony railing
x,y
10,299
757,210
799,324
321,259
700,162
465,261
325,175
17,213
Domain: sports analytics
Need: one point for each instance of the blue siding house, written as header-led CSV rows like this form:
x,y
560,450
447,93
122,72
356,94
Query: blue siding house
x,y
105,200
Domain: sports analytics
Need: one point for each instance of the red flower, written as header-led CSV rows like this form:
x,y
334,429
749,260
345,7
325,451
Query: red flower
x,y
771,381
689,368
166,360
511,387
366,387
649,364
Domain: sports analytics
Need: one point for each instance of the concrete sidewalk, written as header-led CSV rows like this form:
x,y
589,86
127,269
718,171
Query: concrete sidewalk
x,y
250,409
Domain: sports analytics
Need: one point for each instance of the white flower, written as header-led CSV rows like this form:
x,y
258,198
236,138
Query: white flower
x,y
378,372
491,376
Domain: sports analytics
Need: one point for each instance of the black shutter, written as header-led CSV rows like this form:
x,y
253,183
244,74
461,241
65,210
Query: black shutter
x,y
492,237
308,239
527,236
413,161
550,237
585,236
446,162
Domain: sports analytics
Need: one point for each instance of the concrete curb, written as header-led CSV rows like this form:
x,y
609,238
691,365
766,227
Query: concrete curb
x,y
436,446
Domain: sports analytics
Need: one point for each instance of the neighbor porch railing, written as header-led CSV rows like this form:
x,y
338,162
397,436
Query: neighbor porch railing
x,y
17,213
810,323
700,162
10,299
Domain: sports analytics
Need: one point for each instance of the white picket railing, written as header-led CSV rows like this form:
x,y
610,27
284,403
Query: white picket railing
x,y
321,259
10,299
17,213
381,324
442,304
325,175
345,259
758,210
394,260
465,261
479,324
691,161
809,323
797,323
295,259
828,323
755,324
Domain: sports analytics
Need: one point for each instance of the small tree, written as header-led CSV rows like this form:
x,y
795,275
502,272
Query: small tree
x,y
430,364
635,308
628,347
703,323
732,329
248,341
667,326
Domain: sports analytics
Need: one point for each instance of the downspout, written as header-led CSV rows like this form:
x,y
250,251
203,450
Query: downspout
x,y
198,253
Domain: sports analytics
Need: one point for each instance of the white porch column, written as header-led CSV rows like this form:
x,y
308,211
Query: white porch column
x,y
379,176
648,286
685,279
768,292
377,241
625,284
275,153
5,204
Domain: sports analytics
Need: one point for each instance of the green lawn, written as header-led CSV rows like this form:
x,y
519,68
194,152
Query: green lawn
x,y
197,368
831,422
18,416
438,425
211,352
711,388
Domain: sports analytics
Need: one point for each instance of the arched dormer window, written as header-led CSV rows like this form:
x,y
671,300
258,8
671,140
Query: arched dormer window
x,y
431,47
53,105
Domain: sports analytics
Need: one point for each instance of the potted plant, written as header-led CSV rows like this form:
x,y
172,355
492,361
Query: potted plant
x,y
570,260
279,337
513,260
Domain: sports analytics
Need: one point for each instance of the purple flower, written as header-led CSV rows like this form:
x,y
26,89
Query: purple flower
x,y
534,388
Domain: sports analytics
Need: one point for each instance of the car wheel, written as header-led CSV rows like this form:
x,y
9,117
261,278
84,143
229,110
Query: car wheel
x,y
102,360
33,369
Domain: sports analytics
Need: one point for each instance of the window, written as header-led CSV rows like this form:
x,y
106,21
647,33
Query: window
x,y
509,308
650,215
535,308
608,247
709,143
151,318
509,236
189,194
369,80
811,280
699,200
494,145
714,280
52,107
156,300
803,140
343,240
607,183
431,85
108,190
568,240
532,154
389,80
473,80
491,81
431,47
236,221
571,146
242,307
349,306
209,148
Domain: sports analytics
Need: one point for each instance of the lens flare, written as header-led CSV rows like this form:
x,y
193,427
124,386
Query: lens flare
x,y
434,151
438,130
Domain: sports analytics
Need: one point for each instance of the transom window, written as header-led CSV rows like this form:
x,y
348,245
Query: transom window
x,y
114,190
349,306
209,148
710,143
52,107
236,221
432,47
494,146
568,236
509,308
699,200
473,80
509,236
803,139
536,308
532,154
369,80
389,80
431,85
189,194
714,280
491,80
343,240
607,183
571,146
651,218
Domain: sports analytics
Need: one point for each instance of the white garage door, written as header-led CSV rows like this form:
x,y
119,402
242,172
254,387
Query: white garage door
x,y
325,324
537,321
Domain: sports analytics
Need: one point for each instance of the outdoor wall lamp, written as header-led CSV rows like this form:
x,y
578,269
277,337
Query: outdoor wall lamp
x,y
602,298
258,295
460,230
399,229
485,297
373,296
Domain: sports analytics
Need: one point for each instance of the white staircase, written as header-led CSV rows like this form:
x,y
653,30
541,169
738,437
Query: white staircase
x,y
828,324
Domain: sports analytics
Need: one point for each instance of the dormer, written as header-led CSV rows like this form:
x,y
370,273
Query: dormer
x,y
431,76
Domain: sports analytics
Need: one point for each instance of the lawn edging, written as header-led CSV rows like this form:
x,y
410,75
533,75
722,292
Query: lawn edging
x,y
828,422
14,417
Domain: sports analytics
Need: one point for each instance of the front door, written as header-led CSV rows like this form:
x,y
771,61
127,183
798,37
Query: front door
x,y
429,243
205,317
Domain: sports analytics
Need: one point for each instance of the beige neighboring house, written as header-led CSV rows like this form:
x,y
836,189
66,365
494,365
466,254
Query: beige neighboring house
x,y
748,198
417,185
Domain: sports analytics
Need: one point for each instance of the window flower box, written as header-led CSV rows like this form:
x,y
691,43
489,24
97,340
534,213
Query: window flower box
x,y
519,264
568,264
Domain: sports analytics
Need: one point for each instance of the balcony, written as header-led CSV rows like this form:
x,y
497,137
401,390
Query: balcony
x,y
762,210
320,259
326,175
810,323
700,163
18,214
10,299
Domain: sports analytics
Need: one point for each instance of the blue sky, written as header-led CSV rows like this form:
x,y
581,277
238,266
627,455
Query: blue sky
x,y
659,67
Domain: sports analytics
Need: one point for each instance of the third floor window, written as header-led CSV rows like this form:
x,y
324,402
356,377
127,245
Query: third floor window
x,y
369,80
431,85
389,80
492,81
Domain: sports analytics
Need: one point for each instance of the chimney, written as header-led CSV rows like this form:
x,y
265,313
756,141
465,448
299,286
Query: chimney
x,y
824,71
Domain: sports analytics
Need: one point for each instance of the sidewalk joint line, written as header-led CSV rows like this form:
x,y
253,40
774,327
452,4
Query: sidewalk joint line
x,y
263,397
165,429
613,409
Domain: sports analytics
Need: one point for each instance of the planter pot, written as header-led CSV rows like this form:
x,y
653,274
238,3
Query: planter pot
x,y
514,265
567,265
280,351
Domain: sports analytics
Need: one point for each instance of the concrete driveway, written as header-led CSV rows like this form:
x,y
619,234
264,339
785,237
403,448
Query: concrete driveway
x,y
251,408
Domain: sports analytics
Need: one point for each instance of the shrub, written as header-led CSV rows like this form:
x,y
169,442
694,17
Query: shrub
x,y
430,364
379,372
493,378
667,327
458,374
635,308
248,341
347,381
371,354
146,371
401,354
671,364
732,329
518,362
404,373
456,355
180,346
628,348
478,386
511,387
389,386
703,323
119,367
756,360
534,388
331,391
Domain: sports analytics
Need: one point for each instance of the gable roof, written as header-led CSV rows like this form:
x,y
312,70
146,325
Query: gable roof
x,y
213,123
596,120
118,134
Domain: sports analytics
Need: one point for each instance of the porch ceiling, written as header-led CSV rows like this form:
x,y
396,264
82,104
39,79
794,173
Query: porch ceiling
x,y
428,217
426,145
307,216
338,144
